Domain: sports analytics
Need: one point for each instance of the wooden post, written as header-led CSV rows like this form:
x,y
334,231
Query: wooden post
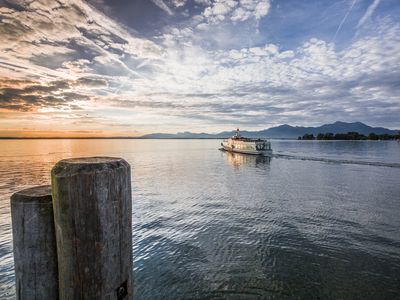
x,y
93,219
35,256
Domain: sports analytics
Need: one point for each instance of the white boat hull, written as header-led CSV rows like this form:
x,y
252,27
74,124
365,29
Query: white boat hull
x,y
250,152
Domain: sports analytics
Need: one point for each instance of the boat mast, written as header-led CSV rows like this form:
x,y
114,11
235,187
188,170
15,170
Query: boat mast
x,y
237,133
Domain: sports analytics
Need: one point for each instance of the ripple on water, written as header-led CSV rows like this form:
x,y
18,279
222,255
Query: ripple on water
x,y
211,225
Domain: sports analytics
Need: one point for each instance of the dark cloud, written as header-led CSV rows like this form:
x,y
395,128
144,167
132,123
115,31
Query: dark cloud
x,y
92,82
25,96
52,61
172,59
18,99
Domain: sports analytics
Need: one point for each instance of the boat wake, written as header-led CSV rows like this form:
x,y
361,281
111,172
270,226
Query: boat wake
x,y
338,161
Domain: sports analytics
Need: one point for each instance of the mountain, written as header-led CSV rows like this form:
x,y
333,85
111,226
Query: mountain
x,y
282,131
287,131
179,135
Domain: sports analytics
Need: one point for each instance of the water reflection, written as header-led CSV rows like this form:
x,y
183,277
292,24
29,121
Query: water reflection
x,y
237,160
219,225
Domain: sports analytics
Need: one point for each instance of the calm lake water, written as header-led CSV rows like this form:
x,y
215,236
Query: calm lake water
x,y
210,224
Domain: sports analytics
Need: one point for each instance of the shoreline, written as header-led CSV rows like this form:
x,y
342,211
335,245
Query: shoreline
x,y
175,138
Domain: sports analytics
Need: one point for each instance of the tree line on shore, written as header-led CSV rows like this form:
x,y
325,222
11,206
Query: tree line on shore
x,y
350,136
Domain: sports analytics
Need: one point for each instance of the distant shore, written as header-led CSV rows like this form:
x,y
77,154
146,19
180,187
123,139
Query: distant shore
x,y
285,131
350,136
176,138
106,138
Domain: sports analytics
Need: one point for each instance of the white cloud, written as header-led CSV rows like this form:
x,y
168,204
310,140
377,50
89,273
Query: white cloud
x,y
203,2
237,11
163,6
240,14
182,79
344,19
179,3
312,79
370,10
261,9
56,33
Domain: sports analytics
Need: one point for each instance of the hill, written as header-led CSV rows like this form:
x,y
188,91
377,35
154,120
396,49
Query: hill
x,y
282,131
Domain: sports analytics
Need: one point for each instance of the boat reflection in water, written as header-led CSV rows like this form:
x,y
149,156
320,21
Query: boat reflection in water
x,y
237,159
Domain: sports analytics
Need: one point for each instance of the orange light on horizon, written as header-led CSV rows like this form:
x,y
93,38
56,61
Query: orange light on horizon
x,y
66,134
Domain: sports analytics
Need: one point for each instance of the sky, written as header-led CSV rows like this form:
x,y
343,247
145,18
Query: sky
x,y
132,67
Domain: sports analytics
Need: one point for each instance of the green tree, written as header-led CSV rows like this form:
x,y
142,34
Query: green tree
x,y
308,136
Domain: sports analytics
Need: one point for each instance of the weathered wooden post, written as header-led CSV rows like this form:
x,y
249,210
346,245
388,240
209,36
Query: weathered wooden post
x,y
93,220
35,256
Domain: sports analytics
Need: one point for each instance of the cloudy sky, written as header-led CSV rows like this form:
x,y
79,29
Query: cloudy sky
x,y
130,67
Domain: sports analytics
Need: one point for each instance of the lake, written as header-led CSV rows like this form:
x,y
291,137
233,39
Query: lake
x,y
319,221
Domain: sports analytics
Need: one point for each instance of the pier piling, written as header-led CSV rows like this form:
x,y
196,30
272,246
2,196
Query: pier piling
x,y
35,256
92,214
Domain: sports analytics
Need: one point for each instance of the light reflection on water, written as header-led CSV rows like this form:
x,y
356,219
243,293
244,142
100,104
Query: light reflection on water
x,y
211,224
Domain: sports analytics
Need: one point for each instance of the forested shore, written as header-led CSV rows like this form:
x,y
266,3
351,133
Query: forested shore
x,y
350,136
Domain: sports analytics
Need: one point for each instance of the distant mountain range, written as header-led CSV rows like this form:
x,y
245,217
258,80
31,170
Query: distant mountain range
x,y
282,131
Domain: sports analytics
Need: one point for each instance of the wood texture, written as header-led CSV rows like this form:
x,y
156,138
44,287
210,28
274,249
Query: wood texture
x,y
93,218
35,256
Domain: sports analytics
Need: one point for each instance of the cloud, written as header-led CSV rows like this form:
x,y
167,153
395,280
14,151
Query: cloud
x,y
92,82
68,42
52,36
344,19
179,3
236,11
370,10
27,95
163,6
314,79
211,72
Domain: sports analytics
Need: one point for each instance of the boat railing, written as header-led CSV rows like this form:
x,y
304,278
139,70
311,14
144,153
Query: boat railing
x,y
250,139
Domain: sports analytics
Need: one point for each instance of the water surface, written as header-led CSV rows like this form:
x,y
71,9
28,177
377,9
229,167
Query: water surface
x,y
210,224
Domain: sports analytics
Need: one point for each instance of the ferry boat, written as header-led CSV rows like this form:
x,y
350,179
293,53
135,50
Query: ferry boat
x,y
244,145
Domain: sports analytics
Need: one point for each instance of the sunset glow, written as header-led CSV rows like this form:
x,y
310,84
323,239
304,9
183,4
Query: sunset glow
x,y
127,68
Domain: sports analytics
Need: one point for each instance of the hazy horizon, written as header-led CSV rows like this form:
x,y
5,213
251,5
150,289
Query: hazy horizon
x,y
130,68
95,135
